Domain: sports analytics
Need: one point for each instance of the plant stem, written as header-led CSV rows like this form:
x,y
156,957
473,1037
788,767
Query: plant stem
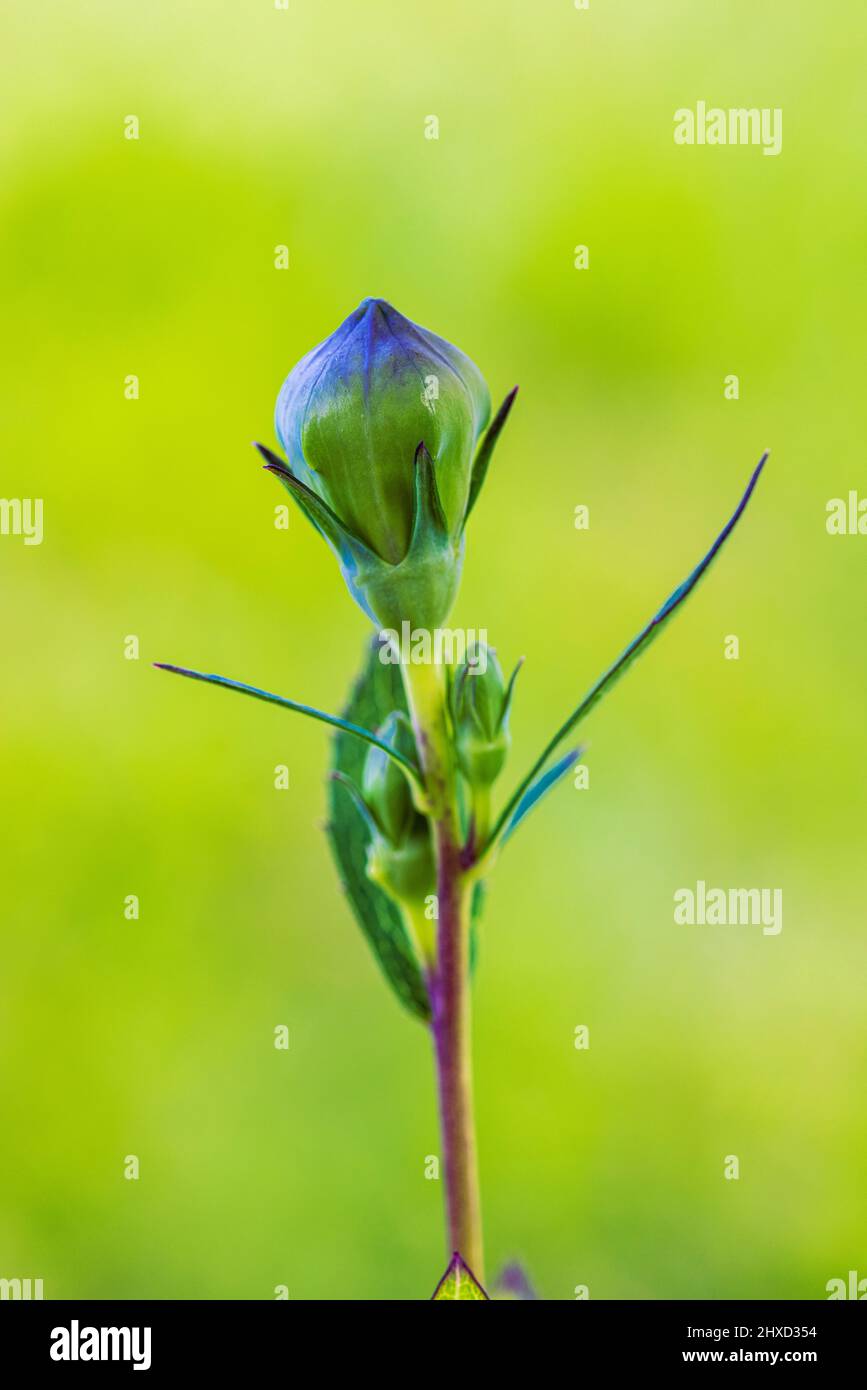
x,y
452,1034
449,975
481,816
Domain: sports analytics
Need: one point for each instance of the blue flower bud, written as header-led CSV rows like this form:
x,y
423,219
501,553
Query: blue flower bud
x,y
383,425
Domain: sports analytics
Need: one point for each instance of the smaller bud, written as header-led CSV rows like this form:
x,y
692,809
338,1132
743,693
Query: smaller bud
x,y
384,785
407,872
480,709
400,855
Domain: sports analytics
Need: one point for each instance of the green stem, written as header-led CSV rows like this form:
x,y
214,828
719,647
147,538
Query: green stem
x,y
449,976
422,931
481,814
451,1027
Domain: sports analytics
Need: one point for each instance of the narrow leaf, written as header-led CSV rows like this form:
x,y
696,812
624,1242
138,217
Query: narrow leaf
x,y
533,795
459,1282
331,719
639,644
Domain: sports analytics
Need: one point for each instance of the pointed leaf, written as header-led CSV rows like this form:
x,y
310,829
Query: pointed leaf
x,y
648,633
459,1282
377,692
533,795
331,719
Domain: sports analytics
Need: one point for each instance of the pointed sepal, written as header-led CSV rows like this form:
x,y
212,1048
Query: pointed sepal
x,y
421,588
486,450
429,519
350,550
510,694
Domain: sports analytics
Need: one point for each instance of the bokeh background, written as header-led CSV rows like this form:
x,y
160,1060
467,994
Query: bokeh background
x,y
305,127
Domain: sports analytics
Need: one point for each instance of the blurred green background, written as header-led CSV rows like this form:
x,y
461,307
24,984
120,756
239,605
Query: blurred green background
x,y
305,127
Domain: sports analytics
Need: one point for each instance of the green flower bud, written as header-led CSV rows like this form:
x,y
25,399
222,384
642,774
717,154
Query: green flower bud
x,y
382,425
480,711
384,785
407,873
400,857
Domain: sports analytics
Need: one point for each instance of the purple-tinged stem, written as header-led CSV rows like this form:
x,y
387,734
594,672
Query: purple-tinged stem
x,y
449,975
452,1034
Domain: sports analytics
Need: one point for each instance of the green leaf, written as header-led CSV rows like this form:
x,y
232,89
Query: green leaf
x,y
459,1282
540,788
639,644
377,692
312,713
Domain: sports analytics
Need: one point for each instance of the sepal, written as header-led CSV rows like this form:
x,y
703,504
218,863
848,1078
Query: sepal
x,y
486,450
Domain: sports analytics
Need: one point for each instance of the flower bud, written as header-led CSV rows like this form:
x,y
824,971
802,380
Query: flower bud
x,y
480,711
384,784
408,872
381,424
400,858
